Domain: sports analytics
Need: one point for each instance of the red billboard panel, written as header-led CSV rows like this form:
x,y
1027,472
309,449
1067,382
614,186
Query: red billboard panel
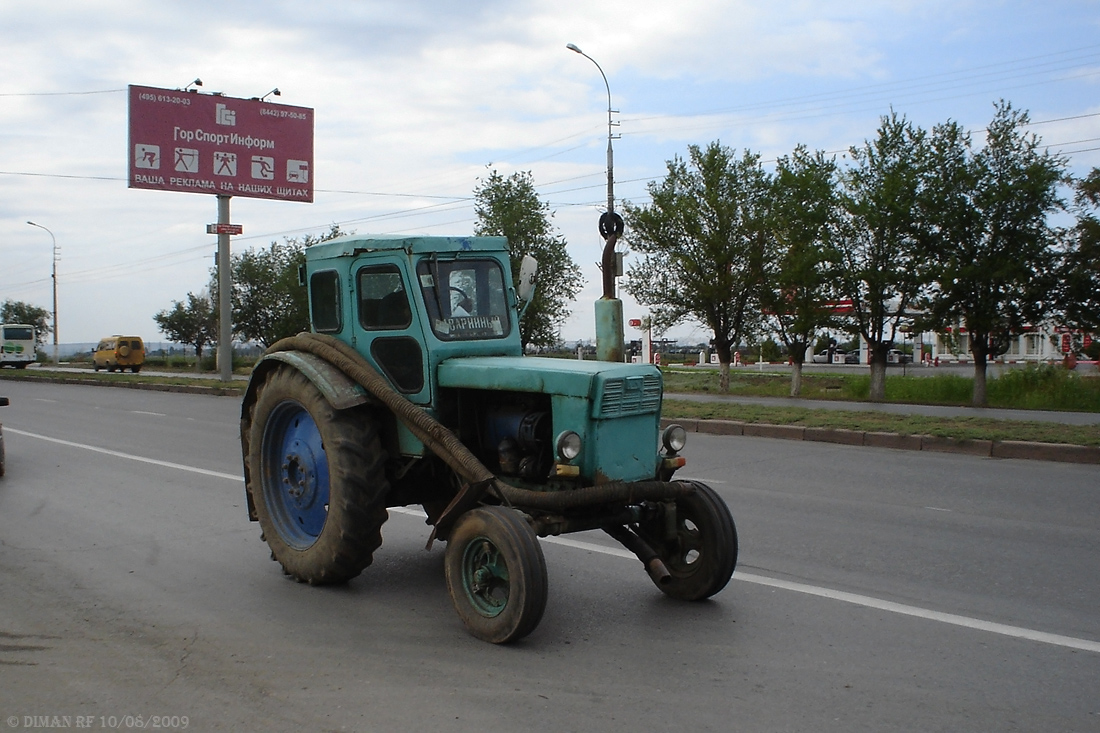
x,y
207,143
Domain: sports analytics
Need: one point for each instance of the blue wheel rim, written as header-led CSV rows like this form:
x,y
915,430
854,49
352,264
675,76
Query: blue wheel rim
x,y
295,475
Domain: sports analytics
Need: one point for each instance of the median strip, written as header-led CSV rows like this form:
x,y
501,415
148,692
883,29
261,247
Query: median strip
x,y
1018,449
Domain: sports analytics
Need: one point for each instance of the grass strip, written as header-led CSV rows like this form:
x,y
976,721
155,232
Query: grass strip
x,y
117,379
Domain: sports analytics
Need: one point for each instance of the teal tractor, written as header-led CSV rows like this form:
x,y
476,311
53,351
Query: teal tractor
x,y
412,389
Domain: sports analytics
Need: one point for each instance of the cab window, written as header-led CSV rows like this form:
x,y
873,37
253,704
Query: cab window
x,y
324,295
466,299
383,301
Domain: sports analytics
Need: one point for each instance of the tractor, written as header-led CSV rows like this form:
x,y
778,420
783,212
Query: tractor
x,y
412,388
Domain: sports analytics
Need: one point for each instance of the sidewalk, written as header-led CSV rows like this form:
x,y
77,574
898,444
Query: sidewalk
x,y
993,413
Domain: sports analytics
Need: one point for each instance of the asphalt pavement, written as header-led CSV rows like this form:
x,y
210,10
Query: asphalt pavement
x,y
904,591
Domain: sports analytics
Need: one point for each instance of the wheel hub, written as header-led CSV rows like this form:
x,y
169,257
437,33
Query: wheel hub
x,y
299,475
485,577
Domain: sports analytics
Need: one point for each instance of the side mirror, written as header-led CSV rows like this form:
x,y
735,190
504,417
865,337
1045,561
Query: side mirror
x,y
3,402
528,268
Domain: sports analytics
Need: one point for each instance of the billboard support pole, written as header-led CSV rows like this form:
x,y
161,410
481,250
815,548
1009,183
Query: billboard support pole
x,y
225,289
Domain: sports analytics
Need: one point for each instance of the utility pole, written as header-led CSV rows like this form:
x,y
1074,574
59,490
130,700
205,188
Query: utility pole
x,y
56,358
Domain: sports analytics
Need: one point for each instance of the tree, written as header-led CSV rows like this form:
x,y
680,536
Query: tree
x,y
989,249
16,311
877,238
703,241
268,302
194,324
510,207
800,287
1079,269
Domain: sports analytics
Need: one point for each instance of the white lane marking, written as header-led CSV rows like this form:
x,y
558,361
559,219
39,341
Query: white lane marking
x,y
143,412
129,456
938,509
1015,632
947,618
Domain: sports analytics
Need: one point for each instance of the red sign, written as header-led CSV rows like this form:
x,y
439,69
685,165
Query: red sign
x,y
224,229
206,143
636,322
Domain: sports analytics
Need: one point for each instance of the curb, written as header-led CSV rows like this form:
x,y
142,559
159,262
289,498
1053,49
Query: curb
x,y
150,386
983,448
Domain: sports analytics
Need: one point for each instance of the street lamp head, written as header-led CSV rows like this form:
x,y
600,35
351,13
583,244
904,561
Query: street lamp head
x,y
573,47
274,91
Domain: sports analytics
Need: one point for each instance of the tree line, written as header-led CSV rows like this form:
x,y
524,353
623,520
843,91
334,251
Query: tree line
x,y
923,230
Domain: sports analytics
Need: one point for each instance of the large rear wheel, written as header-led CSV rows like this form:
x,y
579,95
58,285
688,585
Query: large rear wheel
x,y
317,480
496,574
700,551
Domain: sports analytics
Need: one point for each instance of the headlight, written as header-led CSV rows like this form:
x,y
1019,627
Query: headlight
x,y
569,445
674,438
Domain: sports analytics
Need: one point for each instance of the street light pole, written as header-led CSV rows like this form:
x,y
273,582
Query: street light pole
x,y
610,136
54,240
608,309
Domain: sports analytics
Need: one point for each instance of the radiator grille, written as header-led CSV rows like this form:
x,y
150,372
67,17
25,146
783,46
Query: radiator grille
x,y
630,396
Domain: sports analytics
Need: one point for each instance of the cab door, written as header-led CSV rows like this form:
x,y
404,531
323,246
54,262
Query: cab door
x,y
387,330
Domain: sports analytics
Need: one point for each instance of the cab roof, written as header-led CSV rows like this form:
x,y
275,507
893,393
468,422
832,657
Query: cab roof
x,y
353,244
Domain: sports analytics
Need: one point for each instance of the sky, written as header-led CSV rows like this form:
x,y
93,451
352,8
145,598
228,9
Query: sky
x,y
414,102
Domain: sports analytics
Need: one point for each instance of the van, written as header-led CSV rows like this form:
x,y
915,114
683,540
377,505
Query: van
x,y
119,352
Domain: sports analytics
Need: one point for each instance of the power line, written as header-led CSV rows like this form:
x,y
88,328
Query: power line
x,y
59,94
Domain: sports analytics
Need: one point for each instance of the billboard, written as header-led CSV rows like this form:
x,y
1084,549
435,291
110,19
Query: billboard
x,y
208,143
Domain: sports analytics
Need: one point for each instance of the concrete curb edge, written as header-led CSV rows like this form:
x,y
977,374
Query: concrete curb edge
x,y
1059,452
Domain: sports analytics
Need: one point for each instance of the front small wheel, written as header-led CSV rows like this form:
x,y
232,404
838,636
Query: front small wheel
x,y
701,551
496,574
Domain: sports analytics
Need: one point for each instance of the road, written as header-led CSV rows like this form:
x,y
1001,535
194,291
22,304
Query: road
x,y
877,590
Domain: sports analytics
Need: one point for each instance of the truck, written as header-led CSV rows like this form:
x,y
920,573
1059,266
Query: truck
x,y
17,345
412,388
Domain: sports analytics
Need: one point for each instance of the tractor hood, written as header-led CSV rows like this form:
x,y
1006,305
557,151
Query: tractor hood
x,y
613,389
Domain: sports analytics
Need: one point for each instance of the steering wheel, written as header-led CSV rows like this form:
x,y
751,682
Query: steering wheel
x,y
467,302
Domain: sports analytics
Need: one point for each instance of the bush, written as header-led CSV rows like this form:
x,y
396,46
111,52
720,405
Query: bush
x,y
1045,387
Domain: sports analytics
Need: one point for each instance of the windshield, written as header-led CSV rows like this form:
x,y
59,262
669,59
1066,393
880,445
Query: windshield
x,y
18,333
465,298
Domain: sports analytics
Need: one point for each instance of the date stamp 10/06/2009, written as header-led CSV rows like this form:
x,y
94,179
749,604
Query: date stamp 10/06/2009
x,y
102,722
